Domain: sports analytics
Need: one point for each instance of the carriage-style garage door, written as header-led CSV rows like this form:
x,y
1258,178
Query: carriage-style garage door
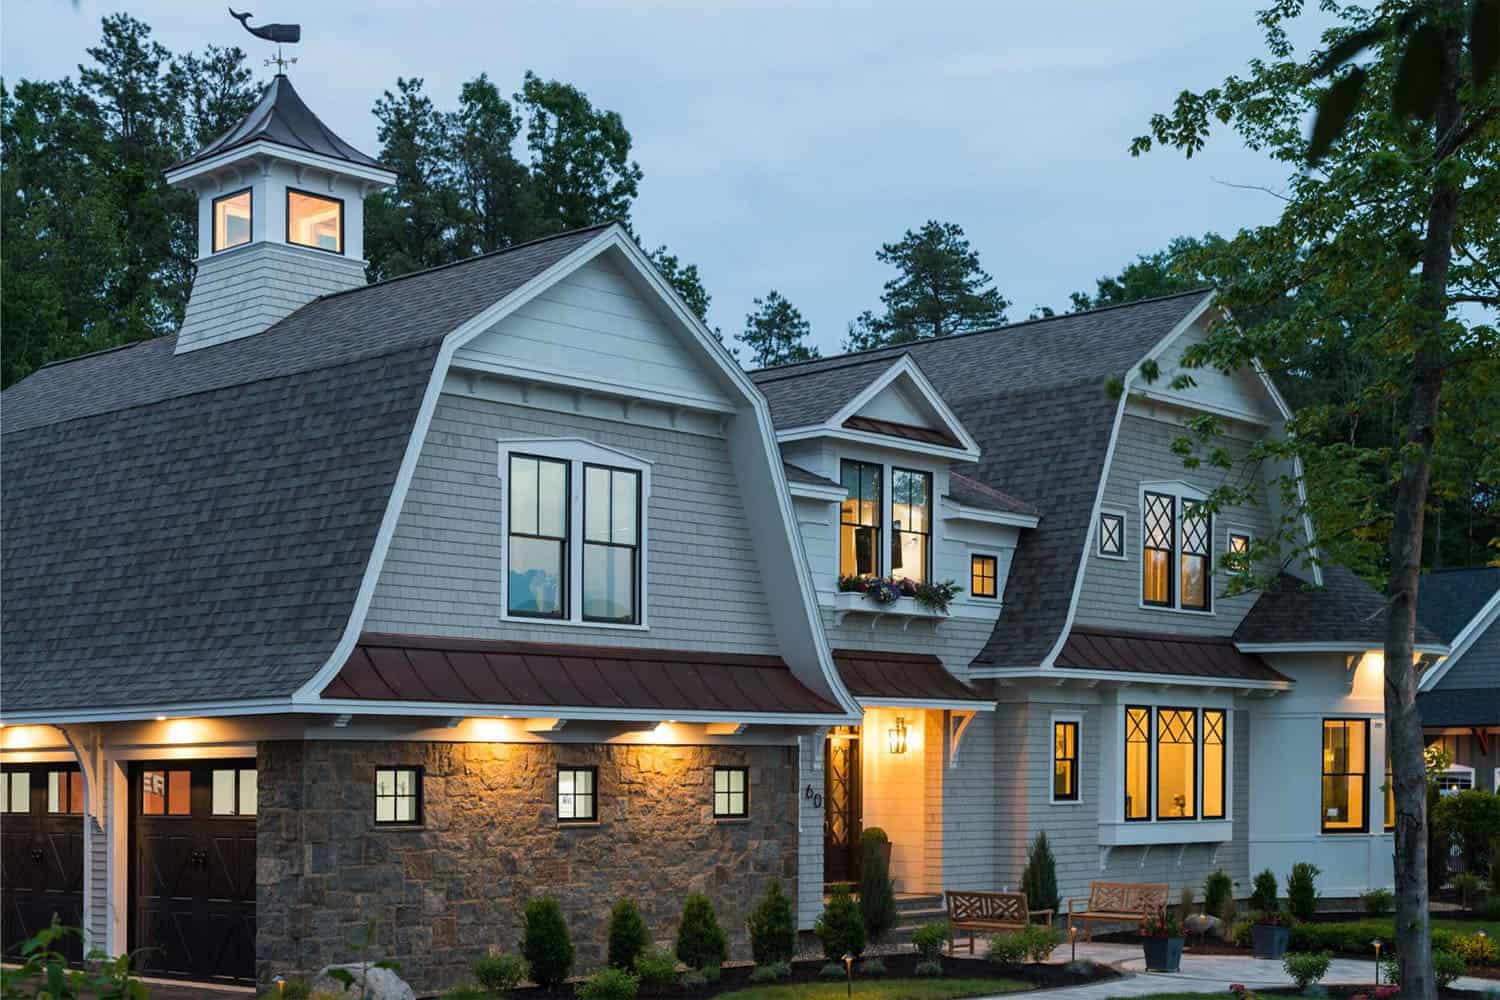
x,y
41,853
192,872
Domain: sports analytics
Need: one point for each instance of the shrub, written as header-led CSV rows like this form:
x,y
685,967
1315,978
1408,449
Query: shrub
x,y
1009,951
291,989
1218,890
1437,844
877,894
1467,885
545,943
700,940
1239,934
627,934
500,973
783,970
695,979
1469,820
1039,878
1489,907
762,974
1476,949
773,930
1306,967
1447,966
1302,890
841,927
872,967
833,970
929,940
1494,887
1263,893
1040,941
456,993
657,969
928,969
1377,902
609,983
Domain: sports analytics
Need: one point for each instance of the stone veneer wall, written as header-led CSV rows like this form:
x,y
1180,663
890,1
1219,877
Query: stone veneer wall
x,y
450,890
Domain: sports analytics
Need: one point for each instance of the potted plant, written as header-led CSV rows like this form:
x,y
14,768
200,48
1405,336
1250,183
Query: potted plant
x,y
1162,939
1271,931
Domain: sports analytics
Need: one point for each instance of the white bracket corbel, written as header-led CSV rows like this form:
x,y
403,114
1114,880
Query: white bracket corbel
x,y
544,725
726,728
454,721
1104,857
958,723
1144,855
1181,852
88,747
342,721
1351,670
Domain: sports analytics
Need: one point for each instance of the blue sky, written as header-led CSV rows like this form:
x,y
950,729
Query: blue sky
x,y
783,142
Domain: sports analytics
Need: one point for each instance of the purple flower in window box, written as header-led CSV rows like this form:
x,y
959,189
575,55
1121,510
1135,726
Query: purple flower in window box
x,y
882,591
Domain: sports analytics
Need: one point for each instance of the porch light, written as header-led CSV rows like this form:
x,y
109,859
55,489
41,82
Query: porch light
x,y
280,982
896,738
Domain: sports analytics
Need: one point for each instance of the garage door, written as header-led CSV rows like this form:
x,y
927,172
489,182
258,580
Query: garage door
x,y
192,878
41,852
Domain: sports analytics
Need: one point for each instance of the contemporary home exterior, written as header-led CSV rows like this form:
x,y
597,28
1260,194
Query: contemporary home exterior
x,y
407,602
1459,697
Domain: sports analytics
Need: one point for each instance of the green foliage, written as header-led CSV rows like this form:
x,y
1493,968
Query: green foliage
x,y
1010,950
1039,878
1476,949
469,992
762,974
700,940
291,989
928,968
1377,902
775,333
581,166
695,979
1306,968
500,973
1218,891
940,289
773,928
833,970
627,934
840,927
1040,941
609,983
1302,890
1469,820
930,938
545,943
44,973
1149,276
1447,966
685,281
657,969
871,967
1467,885
877,894
1263,899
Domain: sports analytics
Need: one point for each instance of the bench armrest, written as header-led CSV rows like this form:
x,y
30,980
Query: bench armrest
x,y
1047,913
1077,899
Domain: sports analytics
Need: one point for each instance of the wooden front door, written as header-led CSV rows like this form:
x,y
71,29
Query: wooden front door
x,y
841,806
41,854
192,872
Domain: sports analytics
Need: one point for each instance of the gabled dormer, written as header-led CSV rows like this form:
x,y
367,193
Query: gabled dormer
x,y
280,218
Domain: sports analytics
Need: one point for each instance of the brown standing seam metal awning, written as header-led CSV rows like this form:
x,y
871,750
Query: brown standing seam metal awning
x,y
910,432
916,678
552,676
1207,657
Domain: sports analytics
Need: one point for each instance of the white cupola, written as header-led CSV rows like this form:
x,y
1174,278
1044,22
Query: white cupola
x,y
281,218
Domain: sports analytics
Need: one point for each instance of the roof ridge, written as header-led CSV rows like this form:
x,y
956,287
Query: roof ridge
x,y
102,350
1031,321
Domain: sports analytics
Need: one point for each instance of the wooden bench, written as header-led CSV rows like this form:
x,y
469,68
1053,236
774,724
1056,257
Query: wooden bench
x,y
1117,903
989,911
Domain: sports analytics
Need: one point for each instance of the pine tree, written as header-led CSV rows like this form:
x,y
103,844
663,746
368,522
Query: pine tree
x,y
496,198
580,156
413,224
1039,879
775,333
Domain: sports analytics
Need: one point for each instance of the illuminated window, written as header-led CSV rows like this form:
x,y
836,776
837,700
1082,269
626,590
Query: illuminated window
x,y
1215,763
1137,763
1065,762
314,221
1390,791
398,795
1346,763
1156,549
234,792
1196,555
231,220
982,576
65,791
859,519
1176,777
611,544
166,793
577,794
731,792
1112,535
911,524
537,585
15,792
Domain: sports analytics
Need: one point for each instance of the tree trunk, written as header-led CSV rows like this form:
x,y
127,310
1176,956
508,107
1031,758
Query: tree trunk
x,y
1403,724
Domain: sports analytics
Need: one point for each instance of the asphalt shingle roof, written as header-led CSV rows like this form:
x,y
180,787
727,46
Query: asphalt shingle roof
x,y
797,474
1344,609
801,399
972,493
1447,600
195,526
1459,706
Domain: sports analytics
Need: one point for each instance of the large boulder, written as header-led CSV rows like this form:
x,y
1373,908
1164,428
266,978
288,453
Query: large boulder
x,y
379,984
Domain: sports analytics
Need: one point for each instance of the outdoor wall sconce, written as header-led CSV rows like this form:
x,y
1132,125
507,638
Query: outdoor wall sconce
x,y
896,738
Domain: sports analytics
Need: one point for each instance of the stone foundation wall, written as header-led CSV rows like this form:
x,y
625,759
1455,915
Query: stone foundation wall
x,y
447,891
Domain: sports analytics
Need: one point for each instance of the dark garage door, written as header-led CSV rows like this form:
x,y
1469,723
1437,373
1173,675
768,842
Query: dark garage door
x,y
41,853
192,873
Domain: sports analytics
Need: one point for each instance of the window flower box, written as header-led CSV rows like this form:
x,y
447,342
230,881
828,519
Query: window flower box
x,y
890,597
904,609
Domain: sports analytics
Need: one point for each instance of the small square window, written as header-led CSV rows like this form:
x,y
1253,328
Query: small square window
x,y
731,792
1239,543
314,221
982,576
398,795
1112,535
167,793
577,794
231,220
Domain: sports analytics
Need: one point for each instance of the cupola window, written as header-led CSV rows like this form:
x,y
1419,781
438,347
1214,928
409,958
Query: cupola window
x,y
314,221
232,220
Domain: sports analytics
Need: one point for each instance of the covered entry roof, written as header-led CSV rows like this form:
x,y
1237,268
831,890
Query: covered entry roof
x,y
552,676
916,679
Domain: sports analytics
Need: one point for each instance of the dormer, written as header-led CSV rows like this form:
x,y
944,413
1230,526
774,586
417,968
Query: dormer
x,y
280,218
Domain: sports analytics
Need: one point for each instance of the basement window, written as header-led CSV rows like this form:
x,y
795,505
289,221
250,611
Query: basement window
x,y
731,792
398,795
577,794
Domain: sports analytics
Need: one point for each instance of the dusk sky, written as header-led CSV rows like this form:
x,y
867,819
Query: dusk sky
x,y
783,142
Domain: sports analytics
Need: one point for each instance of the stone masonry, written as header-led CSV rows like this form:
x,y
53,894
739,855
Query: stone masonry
x,y
446,891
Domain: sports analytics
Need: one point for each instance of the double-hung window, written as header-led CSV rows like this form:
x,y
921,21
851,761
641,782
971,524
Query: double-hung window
x,y
1156,549
1197,555
911,524
575,547
1176,552
1065,761
1346,766
859,519
1176,763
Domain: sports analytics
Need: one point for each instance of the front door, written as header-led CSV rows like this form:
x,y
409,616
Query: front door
x,y
41,854
192,872
841,812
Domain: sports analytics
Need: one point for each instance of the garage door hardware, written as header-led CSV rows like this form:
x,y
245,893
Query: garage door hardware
x,y
38,855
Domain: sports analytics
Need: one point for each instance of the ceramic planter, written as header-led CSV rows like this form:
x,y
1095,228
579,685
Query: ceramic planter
x,y
1269,940
1163,954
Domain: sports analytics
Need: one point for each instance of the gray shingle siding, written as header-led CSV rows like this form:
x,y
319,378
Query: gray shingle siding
x,y
442,572
1479,666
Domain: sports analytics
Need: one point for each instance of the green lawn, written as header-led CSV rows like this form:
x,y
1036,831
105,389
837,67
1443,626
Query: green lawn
x,y
881,989
1490,927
